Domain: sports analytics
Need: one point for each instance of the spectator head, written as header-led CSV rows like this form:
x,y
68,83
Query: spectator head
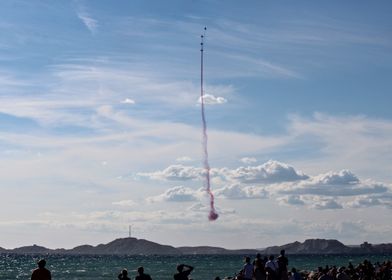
x,y
41,263
180,267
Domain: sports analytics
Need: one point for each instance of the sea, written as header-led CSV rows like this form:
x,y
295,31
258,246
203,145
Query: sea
x,y
66,267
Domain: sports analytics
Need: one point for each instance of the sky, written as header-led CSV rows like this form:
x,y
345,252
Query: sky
x,y
101,129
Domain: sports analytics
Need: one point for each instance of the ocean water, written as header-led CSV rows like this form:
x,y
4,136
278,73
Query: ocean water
x,y
159,267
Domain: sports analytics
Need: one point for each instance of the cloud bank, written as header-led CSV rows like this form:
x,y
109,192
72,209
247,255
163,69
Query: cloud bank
x,y
278,181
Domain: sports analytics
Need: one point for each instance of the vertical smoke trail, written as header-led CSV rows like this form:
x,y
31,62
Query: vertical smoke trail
x,y
212,216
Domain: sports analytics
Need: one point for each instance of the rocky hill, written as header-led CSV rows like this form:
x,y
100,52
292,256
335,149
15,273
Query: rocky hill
x,y
311,246
133,246
126,246
35,249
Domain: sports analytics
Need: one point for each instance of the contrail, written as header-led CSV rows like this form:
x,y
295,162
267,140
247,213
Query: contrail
x,y
212,216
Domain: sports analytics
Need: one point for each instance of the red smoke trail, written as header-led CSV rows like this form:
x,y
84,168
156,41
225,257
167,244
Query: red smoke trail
x,y
212,216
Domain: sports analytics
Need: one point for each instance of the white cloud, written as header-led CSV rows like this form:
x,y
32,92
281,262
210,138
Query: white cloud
x,y
342,183
176,194
273,179
175,172
212,100
344,177
294,200
269,172
365,202
326,204
372,200
242,192
128,101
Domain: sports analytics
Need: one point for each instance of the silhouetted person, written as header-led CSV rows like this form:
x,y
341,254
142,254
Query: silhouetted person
x,y
342,274
41,273
283,262
294,275
259,268
123,275
141,275
324,275
247,270
183,272
271,267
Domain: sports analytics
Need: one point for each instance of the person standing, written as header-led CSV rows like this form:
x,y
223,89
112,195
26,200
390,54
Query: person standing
x,y
283,262
41,273
247,270
259,268
271,268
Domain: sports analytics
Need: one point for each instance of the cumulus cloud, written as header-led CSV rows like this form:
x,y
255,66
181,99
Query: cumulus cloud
x,y
291,200
175,172
212,100
365,202
343,183
327,204
128,101
372,200
242,192
273,179
176,194
344,177
269,172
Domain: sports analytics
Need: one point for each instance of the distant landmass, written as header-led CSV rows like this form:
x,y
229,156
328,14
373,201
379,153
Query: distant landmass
x,y
134,246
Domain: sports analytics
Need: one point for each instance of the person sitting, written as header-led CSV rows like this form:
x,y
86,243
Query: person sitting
x,y
41,273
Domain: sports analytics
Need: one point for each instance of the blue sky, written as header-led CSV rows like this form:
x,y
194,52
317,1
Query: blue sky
x,y
100,122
